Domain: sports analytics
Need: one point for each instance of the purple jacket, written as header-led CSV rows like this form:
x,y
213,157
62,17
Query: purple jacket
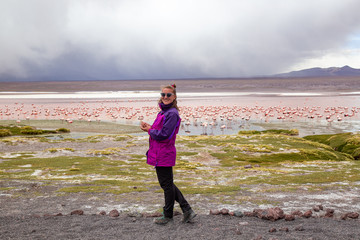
x,y
162,151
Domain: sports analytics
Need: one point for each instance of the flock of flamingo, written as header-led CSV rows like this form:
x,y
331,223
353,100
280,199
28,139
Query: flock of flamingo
x,y
133,111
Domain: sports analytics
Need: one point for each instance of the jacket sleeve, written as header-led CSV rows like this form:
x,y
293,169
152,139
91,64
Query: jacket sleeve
x,y
168,129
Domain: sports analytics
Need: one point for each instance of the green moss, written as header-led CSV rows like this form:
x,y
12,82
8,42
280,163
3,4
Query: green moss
x,y
101,189
213,189
79,126
180,154
5,133
137,156
347,173
63,130
22,130
348,143
107,186
120,139
54,150
291,132
186,165
107,151
194,145
7,188
287,163
14,130
56,166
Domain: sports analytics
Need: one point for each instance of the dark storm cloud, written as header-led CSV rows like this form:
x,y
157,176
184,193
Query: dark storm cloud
x,y
138,39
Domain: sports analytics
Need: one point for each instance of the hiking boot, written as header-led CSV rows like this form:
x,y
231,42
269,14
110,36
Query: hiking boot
x,y
188,216
162,220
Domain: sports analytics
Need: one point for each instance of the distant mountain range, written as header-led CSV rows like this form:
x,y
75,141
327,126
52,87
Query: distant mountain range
x,y
321,72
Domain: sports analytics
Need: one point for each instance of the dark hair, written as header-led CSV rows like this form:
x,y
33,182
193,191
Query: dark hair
x,y
173,88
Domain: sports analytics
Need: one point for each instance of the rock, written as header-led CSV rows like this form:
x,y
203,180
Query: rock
x,y
275,214
259,237
289,217
256,165
238,214
77,212
135,214
297,213
248,166
284,229
353,215
231,213
307,214
329,210
114,213
59,215
224,211
156,214
329,213
243,223
214,212
279,213
299,228
263,214
102,213
344,216
321,207
272,214
177,213
250,214
237,231
316,209
272,230
257,211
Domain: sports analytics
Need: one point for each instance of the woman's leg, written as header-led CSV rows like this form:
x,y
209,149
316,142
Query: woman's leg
x,y
165,177
184,205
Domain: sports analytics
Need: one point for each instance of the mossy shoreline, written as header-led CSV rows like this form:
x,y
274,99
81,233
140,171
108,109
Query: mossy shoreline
x,y
241,167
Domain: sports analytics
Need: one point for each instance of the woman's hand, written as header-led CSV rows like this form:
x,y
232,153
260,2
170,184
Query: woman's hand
x,y
145,126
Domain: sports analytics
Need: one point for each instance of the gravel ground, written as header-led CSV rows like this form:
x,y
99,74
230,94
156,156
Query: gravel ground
x,y
202,227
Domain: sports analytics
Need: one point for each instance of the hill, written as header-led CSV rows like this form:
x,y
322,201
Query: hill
x,y
322,72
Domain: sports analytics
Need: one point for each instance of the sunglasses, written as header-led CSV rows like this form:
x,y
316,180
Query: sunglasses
x,y
166,94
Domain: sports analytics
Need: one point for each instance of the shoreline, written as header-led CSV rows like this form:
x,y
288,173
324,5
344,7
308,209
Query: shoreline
x,y
151,95
193,85
213,113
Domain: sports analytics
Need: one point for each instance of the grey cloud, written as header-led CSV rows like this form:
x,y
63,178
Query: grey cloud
x,y
84,39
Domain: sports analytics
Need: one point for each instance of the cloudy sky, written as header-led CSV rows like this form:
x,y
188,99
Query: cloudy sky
x,y
162,39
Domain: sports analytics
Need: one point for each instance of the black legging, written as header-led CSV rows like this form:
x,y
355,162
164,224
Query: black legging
x,y
171,192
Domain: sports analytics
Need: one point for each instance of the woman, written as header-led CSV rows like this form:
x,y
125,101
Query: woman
x,y
162,153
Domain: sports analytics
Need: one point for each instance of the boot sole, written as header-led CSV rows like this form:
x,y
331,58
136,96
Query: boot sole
x,y
191,217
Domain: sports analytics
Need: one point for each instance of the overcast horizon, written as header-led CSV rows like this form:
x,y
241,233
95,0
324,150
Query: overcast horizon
x,y
172,39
